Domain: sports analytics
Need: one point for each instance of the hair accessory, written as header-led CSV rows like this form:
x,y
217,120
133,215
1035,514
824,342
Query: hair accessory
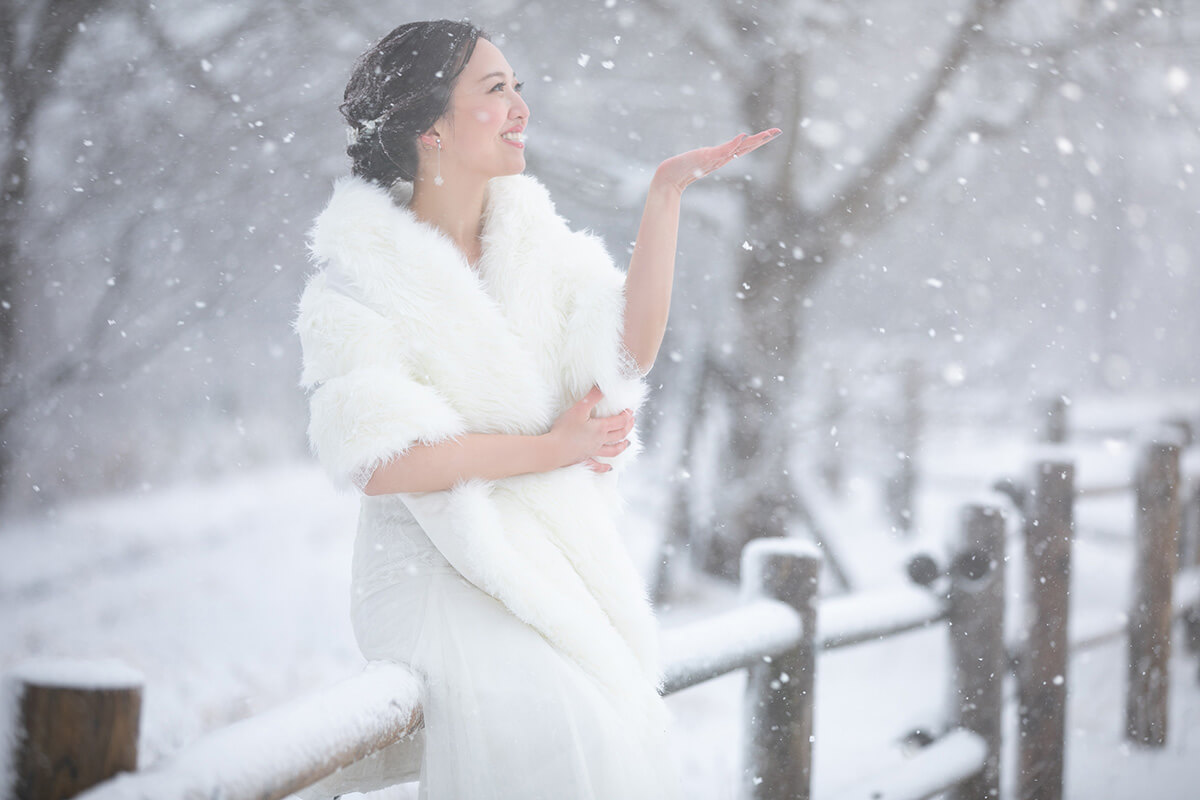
x,y
367,129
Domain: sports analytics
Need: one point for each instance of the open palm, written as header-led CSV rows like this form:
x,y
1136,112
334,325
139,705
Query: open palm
x,y
684,168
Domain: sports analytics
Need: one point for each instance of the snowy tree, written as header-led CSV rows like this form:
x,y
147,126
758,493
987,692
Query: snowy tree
x,y
987,68
103,170
37,38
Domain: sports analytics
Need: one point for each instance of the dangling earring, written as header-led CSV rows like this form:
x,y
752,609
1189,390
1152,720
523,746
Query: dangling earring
x,y
437,179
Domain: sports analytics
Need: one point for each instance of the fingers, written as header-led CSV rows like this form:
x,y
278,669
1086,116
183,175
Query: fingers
x,y
596,466
618,425
590,399
749,143
613,448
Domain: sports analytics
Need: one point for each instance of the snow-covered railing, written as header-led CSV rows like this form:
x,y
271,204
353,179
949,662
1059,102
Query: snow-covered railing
x,y
775,634
1185,600
284,749
731,640
869,616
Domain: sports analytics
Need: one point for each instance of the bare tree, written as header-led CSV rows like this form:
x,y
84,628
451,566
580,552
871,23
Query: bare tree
x,y
37,38
796,235
128,298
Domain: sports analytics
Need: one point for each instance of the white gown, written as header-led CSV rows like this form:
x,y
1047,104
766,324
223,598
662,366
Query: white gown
x,y
507,716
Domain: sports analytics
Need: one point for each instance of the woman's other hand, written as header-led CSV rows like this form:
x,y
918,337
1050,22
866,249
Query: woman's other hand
x,y
679,171
577,436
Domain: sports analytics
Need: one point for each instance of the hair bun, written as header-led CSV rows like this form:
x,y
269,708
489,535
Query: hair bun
x,y
397,90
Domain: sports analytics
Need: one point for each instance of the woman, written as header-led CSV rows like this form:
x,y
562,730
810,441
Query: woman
x,y
476,367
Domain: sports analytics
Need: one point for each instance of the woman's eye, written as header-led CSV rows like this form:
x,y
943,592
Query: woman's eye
x,y
519,86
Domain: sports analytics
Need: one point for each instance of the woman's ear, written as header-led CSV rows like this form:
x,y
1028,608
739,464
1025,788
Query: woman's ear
x,y
429,139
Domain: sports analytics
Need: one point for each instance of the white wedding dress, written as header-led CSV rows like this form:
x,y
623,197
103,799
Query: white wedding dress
x,y
507,716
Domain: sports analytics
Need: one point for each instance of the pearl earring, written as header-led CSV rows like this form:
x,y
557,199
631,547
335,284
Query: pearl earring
x,y
437,179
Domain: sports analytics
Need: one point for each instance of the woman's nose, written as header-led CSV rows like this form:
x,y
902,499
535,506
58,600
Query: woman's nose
x,y
519,108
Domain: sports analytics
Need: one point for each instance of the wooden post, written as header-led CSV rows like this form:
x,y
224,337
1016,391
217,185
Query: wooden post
x,y
977,640
1051,426
1190,557
1189,552
1150,610
778,723
77,725
1042,673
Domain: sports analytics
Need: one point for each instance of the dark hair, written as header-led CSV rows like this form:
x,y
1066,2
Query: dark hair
x,y
398,89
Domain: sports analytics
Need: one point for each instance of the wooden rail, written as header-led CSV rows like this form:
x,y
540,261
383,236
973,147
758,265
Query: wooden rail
x,y
774,634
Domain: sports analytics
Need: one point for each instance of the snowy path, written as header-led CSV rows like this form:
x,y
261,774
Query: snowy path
x,y
232,597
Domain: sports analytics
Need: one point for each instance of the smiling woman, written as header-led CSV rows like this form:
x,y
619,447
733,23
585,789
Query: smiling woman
x,y
475,367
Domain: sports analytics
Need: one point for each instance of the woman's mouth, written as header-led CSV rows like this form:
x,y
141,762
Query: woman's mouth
x,y
515,138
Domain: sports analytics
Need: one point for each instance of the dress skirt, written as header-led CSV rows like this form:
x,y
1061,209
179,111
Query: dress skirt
x,y
507,715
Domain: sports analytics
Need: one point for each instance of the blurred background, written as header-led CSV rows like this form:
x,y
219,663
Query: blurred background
x,y
1005,191
979,211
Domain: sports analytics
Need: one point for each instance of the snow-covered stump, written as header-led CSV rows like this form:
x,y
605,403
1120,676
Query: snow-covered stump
x,y
76,725
976,616
778,722
1042,672
1151,612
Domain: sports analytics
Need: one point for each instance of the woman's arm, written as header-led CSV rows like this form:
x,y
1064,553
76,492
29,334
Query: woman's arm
x,y
575,437
652,266
651,273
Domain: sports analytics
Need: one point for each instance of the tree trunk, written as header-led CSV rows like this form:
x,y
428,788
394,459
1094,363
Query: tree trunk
x,y
12,201
754,496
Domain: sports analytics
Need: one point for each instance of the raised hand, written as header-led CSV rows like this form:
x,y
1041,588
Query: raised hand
x,y
679,171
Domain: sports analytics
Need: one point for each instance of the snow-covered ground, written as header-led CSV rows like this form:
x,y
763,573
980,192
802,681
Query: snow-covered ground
x,y
232,597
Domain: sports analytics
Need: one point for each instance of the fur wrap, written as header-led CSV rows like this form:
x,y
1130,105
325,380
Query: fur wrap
x,y
404,342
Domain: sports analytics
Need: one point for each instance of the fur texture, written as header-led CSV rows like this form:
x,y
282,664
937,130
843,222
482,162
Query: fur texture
x,y
405,343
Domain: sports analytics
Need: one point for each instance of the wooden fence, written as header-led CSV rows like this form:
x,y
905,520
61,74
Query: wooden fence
x,y
775,634
1165,588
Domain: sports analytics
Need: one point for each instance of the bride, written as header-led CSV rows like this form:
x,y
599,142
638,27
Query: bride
x,y
475,368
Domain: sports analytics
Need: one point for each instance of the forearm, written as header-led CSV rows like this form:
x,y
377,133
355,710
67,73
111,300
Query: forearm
x,y
651,273
431,468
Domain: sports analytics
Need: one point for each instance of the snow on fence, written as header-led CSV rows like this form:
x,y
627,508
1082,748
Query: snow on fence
x,y
775,634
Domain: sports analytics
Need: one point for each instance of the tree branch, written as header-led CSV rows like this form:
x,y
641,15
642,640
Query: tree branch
x,y
698,37
868,178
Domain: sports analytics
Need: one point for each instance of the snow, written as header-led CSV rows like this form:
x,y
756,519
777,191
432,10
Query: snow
x,y
231,598
935,768
286,748
1090,630
701,650
865,615
99,673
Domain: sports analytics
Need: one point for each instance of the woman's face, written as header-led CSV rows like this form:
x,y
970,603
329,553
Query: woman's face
x,y
483,129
